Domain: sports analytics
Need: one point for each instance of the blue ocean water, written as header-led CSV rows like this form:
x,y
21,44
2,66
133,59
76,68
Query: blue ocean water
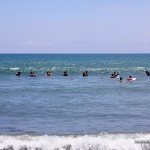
x,y
94,112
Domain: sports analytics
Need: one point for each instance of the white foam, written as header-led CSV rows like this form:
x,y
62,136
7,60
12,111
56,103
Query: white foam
x,y
14,69
86,142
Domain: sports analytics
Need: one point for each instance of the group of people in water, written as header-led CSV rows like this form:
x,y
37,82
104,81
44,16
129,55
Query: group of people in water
x,y
130,78
116,75
85,74
32,74
48,73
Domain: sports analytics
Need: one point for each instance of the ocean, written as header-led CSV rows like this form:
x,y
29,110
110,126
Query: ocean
x,y
74,112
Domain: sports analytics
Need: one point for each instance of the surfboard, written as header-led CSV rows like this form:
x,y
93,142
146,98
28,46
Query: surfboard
x,y
133,79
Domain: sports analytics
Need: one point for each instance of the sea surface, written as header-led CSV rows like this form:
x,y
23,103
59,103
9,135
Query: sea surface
x,y
74,112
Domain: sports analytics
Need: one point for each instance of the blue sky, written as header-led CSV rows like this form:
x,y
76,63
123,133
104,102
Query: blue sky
x,y
74,26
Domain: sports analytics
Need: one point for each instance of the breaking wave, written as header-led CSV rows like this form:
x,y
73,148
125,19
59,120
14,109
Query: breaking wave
x,y
74,70
105,141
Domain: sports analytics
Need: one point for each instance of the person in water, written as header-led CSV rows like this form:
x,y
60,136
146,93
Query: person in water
x,y
85,74
121,79
32,74
18,74
65,73
129,78
147,73
48,73
114,75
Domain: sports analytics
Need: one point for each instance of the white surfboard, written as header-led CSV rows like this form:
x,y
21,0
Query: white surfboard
x,y
133,79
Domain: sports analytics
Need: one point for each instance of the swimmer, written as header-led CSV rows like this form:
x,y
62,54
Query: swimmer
x,y
121,80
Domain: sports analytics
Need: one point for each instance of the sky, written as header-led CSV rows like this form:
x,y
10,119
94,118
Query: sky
x,y
74,26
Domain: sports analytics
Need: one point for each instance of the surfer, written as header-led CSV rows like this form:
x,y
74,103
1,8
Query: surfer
x,y
86,73
130,78
32,74
147,73
120,80
114,75
48,73
65,73
18,74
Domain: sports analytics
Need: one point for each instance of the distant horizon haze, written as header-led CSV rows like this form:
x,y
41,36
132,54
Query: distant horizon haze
x,y
74,26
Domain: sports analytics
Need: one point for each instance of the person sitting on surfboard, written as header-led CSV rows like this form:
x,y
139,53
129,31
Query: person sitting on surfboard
x,y
65,73
147,73
48,73
18,74
85,74
32,74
